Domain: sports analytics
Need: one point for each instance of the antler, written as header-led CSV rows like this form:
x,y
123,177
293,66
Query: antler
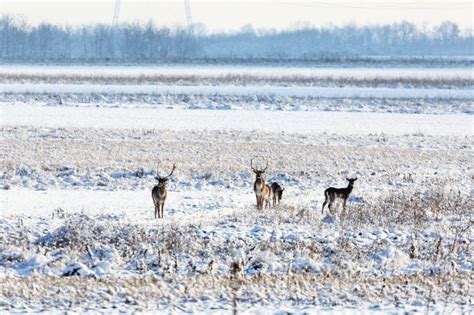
x,y
266,166
251,165
256,169
174,167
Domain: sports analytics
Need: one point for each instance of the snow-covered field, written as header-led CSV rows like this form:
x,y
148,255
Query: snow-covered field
x,y
76,217
219,70
299,91
342,123
401,90
242,75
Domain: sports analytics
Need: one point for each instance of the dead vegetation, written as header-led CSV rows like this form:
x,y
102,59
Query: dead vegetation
x,y
243,79
145,293
409,209
275,258
404,246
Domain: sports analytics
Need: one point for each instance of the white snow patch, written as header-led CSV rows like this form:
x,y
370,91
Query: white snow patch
x,y
222,70
291,122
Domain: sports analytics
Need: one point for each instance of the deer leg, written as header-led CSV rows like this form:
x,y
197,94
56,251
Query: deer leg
x,y
332,198
156,212
326,198
162,209
324,204
344,204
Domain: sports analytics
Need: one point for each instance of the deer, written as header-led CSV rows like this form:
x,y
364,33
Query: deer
x,y
159,193
277,193
262,191
343,193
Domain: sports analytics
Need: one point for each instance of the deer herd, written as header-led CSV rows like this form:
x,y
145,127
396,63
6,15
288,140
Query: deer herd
x,y
263,192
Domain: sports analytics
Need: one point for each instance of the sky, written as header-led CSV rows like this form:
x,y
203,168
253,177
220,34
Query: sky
x,y
229,15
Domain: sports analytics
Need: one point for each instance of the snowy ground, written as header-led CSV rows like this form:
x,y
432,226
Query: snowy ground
x,y
267,90
345,123
77,230
219,73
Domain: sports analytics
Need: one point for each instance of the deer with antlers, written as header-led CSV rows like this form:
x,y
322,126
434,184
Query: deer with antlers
x,y
160,193
343,193
263,192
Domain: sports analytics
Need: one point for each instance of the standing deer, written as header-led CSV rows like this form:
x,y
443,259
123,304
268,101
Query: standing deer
x,y
277,193
262,191
332,193
159,193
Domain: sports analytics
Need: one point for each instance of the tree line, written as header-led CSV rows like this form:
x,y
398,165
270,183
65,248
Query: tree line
x,y
136,42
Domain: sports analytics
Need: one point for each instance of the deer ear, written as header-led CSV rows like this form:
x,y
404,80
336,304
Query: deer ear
x,y
157,177
347,179
355,179
283,189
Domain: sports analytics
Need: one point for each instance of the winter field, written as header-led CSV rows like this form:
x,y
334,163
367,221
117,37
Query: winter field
x,y
80,147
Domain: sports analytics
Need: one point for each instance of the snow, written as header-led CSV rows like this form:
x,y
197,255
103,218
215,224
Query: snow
x,y
77,232
269,72
298,91
345,123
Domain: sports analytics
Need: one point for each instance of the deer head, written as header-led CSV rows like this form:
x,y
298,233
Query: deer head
x,y
351,180
258,173
163,180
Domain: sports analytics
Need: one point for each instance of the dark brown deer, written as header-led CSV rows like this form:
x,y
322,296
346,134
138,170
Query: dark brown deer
x,y
277,193
160,193
332,193
262,191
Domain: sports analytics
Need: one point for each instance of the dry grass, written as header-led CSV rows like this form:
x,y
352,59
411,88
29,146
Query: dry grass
x,y
407,208
182,264
163,260
45,155
149,292
242,79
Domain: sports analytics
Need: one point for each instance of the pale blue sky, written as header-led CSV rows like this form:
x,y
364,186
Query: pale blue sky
x,y
231,15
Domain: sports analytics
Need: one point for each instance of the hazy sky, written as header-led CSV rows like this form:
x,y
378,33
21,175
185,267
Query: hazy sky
x,y
231,15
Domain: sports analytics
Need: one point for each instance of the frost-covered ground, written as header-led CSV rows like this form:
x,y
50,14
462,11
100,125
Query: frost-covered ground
x,y
346,123
209,71
76,217
453,78
239,91
402,90
246,102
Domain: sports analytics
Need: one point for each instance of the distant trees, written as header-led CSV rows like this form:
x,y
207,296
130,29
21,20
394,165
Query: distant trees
x,y
148,43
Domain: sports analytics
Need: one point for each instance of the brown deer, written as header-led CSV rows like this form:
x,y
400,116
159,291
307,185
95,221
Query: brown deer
x,y
262,191
332,193
277,193
160,193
